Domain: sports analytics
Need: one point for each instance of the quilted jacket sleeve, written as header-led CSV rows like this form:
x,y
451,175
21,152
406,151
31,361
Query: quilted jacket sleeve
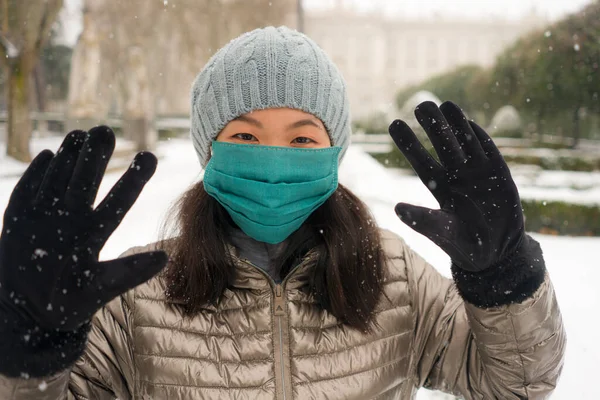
x,y
512,350
104,371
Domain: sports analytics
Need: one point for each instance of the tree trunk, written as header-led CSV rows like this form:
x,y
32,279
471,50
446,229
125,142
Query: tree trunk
x,y
539,121
576,128
19,123
138,110
28,27
140,131
300,15
39,88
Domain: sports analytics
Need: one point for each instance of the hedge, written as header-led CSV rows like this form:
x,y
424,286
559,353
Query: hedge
x,y
549,217
564,162
561,218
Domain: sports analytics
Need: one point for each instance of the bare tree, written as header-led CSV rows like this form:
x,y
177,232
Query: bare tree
x,y
151,50
26,26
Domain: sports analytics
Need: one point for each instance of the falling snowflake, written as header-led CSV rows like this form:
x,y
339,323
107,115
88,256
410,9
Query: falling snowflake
x,y
39,253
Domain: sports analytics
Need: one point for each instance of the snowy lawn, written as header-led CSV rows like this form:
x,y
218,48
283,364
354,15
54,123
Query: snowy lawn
x,y
571,261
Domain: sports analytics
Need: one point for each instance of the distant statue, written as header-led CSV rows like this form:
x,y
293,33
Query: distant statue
x,y
506,122
407,110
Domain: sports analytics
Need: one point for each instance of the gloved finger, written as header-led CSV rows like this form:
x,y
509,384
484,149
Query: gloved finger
x,y
463,131
434,224
60,170
419,158
441,227
111,211
90,167
437,128
487,144
29,184
115,277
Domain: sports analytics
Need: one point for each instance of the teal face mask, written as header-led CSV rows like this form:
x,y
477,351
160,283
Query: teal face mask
x,y
270,191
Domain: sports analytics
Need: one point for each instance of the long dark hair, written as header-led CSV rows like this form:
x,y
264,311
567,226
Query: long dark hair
x,y
347,279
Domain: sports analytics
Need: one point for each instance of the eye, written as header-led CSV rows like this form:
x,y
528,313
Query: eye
x,y
246,137
303,140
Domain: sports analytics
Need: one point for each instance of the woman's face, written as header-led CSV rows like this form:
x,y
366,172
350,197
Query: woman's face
x,y
284,127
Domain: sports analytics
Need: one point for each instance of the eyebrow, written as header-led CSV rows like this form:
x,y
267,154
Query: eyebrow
x,y
303,122
249,120
294,125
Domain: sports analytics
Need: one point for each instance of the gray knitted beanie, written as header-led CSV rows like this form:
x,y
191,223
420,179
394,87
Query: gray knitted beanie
x,y
268,68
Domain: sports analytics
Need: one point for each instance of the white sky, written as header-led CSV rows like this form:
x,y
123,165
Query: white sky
x,y
509,9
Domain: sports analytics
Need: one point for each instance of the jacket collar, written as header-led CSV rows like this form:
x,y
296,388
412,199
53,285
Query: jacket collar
x,y
248,276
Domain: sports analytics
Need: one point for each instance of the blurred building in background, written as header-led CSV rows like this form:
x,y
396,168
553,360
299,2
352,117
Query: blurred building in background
x,y
378,54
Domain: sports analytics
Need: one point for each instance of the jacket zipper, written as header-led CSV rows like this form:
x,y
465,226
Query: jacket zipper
x,y
279,312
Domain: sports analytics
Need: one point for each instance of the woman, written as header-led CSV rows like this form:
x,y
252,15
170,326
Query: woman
x,y
278,284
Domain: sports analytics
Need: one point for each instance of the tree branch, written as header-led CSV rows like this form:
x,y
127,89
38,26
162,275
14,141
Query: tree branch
x,y
8,49
48,17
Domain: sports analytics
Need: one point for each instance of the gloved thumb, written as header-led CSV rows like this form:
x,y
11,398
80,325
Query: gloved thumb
x,y
426,221
119,275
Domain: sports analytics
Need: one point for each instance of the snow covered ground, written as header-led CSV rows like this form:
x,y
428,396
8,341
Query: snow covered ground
x,y
570,186
571,261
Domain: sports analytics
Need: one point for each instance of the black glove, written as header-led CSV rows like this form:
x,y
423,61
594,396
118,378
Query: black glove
x,y
480,220
51,282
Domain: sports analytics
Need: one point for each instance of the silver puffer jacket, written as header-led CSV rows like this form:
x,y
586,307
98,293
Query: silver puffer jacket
x,y
272,341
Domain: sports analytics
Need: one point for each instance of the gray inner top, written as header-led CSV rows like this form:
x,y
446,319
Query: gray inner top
x,y
260,254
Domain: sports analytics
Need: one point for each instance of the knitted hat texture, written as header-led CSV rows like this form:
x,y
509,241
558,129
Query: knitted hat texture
x,y
268,68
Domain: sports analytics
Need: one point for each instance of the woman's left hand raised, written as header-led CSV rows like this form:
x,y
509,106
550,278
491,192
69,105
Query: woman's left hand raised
x,y
480,220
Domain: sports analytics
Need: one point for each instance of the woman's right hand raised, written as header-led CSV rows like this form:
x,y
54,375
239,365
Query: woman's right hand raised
x,y
50,276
